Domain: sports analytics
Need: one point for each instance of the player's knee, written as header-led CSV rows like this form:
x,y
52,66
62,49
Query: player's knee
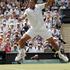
x,y
21,43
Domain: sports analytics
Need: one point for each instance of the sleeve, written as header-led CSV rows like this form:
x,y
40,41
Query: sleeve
x,y
41,6
26,13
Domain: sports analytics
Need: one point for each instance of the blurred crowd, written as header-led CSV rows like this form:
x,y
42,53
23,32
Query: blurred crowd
x,y
12,29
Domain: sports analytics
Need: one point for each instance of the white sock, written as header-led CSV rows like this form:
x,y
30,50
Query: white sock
x,y
20,50
58,52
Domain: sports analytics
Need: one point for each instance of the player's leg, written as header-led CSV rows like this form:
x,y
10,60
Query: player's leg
x,y
21,43
47,35
56,47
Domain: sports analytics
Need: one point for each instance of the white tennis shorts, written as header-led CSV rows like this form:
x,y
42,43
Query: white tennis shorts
x,y
43,32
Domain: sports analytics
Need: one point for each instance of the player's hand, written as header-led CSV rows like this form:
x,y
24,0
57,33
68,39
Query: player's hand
x,y
50,2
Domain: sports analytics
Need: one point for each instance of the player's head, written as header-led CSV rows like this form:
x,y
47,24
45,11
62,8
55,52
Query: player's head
x,y
32,4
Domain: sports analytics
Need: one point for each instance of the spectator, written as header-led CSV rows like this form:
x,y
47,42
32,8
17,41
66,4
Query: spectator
x,y
7,45
62,6
14,48
26,25
32,48
16,36
1,44
40,48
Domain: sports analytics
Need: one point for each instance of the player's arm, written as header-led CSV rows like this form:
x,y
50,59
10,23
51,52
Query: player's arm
x,y
22,17
46,4
49,3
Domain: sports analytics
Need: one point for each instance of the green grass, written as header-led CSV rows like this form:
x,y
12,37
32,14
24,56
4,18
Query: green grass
x,y
36,67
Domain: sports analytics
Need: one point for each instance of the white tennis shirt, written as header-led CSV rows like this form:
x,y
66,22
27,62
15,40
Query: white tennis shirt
x,y
35,16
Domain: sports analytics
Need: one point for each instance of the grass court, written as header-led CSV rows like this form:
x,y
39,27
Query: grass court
x,y
56,66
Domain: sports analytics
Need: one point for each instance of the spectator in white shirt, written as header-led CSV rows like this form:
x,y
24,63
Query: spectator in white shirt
x,y
62,6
